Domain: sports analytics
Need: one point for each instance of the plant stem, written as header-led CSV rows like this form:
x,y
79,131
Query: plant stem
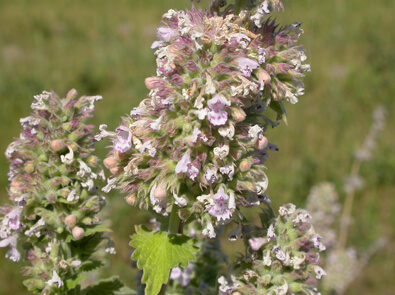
x,y
174,224
346,216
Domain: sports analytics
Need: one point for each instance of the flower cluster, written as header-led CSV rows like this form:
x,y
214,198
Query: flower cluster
x,y
198,140
285,260
323,205
55,203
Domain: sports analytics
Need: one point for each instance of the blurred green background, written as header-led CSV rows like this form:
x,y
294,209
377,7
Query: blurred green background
x,y
102,47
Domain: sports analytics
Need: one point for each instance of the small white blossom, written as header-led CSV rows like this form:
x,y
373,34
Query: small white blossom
x,y
55,280
68,158
270,233
111,183
209,231
221,152
266,258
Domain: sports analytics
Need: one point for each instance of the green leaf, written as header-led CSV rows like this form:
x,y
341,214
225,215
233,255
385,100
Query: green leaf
x,y
97,229
279,108
90,265
90,231
157,253
85,247
72,282
110,286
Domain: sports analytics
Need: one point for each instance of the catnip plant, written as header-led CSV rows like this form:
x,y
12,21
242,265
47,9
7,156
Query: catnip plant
x,y
192,153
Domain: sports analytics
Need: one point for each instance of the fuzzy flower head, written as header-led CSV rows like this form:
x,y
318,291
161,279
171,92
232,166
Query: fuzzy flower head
x,y
286,261
52,185
205,115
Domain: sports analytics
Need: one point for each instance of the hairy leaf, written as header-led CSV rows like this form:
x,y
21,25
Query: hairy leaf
x,y
110,286
157,253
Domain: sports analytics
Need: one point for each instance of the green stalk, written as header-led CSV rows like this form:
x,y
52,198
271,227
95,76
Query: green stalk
x,y
174,224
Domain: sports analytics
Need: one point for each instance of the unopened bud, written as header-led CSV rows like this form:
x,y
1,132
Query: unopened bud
x,y
70,221
29,168
74,146
238,114
235,154
119,155
187,128
116,170
153,82
110,162
160,192
245,165
16,184
57,145
264,76
64,192
78,233
131,199
66,126
72,94
262,143
190,142
91,161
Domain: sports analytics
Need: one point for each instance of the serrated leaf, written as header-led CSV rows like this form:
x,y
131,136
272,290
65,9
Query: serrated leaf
x,y
85,247
90,231
72,282
91,265
157,253
110,286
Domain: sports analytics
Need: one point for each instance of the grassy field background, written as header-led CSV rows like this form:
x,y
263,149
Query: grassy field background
x,y
102,47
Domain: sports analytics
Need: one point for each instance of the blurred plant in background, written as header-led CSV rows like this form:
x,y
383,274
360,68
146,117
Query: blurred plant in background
x,y
343,264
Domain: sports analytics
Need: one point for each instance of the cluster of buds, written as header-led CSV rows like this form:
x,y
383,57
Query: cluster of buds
x,y
283,260
198,141
55,203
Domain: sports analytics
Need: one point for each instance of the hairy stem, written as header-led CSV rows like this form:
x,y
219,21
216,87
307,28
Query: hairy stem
x,y
174,222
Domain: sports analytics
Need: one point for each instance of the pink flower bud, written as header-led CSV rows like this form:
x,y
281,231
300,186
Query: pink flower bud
x,y
110,162
72,94
92,161
153,82
262,143
29,168
245,165
16,184
116,170
238,114
131,199
119,155
70,221
57,145
264,76
78,233
160,192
